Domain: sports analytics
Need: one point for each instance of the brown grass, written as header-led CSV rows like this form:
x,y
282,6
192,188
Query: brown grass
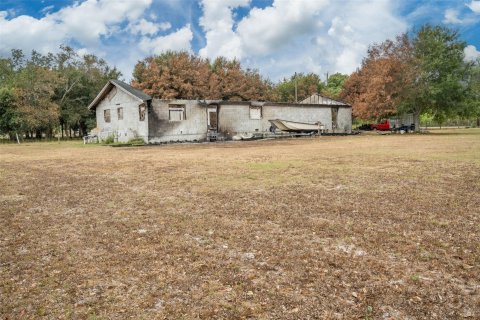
x,y
361,227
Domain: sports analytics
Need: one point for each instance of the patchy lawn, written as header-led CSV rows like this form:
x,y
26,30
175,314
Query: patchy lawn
x,y
360,227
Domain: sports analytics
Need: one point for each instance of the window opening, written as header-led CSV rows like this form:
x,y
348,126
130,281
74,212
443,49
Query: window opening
x,y
106,115
176,112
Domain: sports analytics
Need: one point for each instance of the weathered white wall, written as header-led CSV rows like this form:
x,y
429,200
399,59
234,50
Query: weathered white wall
x,y
235,118
122,130
344,119
298,113
193,128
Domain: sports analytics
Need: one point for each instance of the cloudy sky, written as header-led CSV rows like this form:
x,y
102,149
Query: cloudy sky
x,y
278,37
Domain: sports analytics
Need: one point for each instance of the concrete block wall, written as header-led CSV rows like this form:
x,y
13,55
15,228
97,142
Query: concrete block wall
x,y
122,130
235,118
298,113
344,119
193,128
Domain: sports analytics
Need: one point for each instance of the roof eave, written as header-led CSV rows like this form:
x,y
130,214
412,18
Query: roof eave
x,y
129,93
95,101
100,96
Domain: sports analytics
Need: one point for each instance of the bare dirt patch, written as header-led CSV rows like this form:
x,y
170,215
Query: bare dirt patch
x,y
363,227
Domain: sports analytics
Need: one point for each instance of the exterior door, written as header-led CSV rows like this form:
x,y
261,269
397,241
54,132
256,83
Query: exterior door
x,y
212,118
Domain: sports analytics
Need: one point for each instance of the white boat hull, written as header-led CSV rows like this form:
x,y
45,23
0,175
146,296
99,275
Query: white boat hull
x,y
292,126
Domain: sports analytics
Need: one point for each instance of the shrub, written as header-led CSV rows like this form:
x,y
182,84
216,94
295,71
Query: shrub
x,y
136,141
109,140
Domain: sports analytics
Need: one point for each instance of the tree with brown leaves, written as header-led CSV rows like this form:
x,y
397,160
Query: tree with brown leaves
x,y
173,75
374,89
180,75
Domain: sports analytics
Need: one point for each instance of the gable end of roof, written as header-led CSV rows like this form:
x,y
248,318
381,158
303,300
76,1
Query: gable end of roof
x,y
128,89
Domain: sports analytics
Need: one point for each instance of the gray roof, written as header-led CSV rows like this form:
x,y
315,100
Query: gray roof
x,y
137,93
317,98
124,87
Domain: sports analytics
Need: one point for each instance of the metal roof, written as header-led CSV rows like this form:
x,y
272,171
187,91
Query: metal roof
x,y
319,99
122,86
137,93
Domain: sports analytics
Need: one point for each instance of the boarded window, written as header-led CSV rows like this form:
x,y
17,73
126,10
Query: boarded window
x,y
255,112
120,113
106,115
176,112
142,109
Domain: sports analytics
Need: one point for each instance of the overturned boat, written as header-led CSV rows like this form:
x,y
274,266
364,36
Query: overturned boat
x,y
292,126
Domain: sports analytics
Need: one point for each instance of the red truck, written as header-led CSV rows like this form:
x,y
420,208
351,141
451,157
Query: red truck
x,y
400,123
383,126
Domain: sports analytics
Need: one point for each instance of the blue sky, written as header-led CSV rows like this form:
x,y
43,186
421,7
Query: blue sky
x,y
277,37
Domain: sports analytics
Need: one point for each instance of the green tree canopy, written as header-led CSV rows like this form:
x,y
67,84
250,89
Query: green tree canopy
x,y
307,84
435,79
39,92
334,86
423,73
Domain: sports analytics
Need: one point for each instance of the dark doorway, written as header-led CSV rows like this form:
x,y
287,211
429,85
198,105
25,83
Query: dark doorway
x,y
212,120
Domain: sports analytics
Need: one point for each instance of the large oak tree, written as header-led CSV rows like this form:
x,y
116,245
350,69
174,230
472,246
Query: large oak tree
x,y
437,74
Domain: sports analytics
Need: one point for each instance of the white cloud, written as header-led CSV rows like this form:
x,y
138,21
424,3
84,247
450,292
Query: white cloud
x,y
40,34
144,27
474,6
217,22
89,20
84,22
451,16
87,24
164,26
275,27
285,37
471,53
178,40
47,9
83,51
301,36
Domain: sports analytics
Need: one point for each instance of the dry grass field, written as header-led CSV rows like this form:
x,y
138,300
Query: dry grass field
x,y
360,227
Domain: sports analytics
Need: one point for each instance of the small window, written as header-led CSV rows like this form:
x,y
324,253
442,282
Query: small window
x,y
106,115
120,113
255,113
141,112
176,112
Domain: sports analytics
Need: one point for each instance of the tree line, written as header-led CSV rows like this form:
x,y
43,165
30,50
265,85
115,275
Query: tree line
x,y
47,95
43,95
181,75
423,73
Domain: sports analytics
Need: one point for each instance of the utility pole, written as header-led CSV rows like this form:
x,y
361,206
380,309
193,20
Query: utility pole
x,y
296,98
